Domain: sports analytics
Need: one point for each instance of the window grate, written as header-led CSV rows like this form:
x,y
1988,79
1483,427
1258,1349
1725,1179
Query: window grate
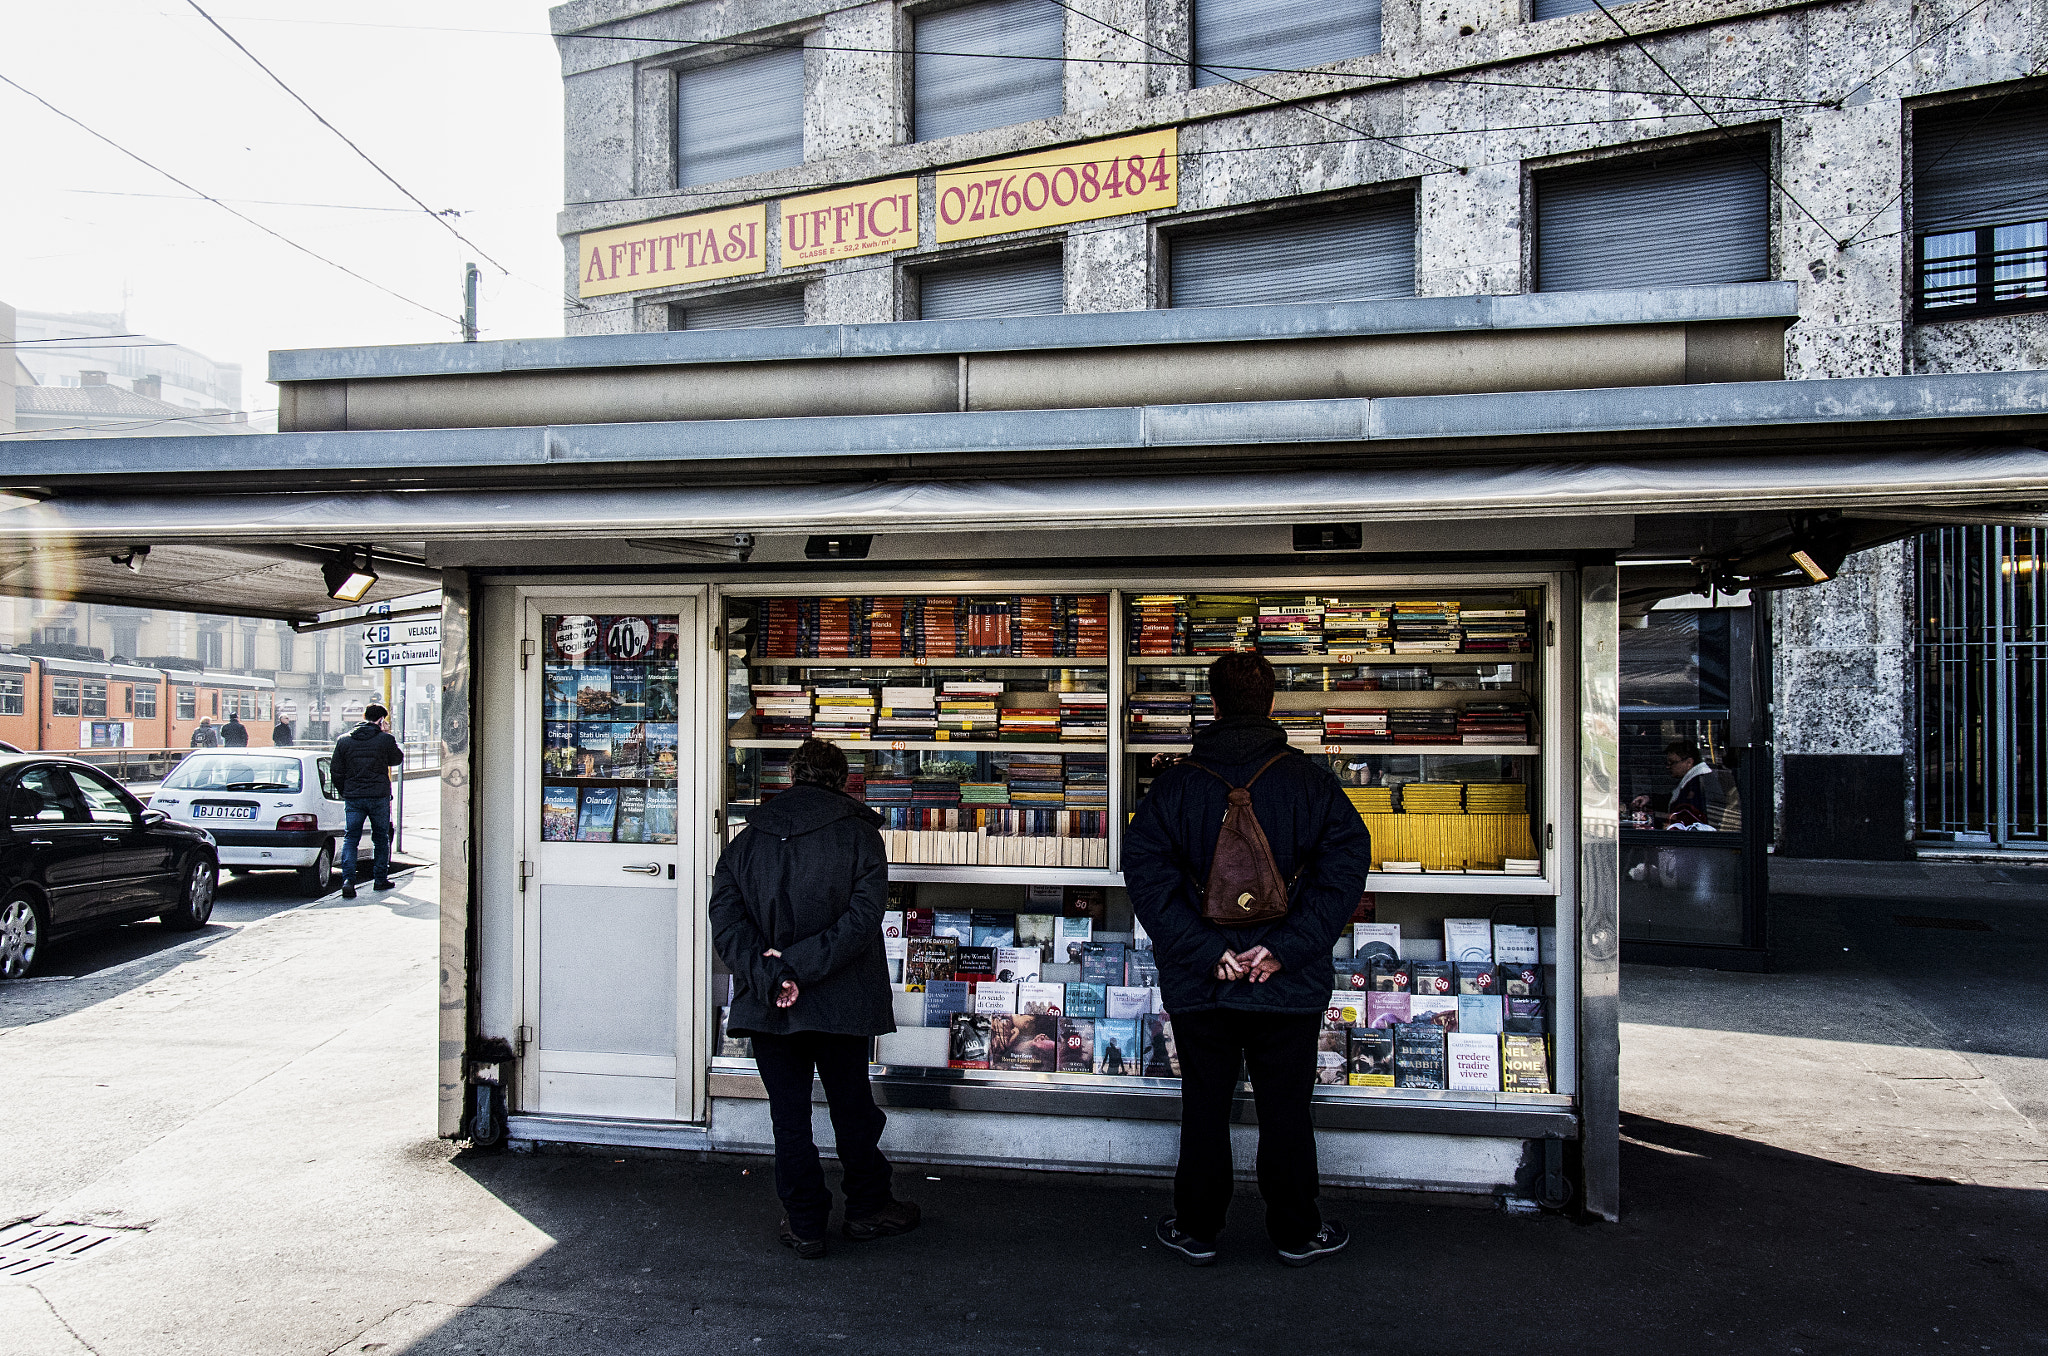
x,y
1990,268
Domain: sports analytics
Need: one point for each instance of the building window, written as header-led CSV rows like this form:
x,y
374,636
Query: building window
x,y
1980,207
744,116
351,660
11,695
145,702
1031,285
126,641
1359,253
188,704
209,649
215,703
63,696
1681,218
248,650
751,311
994,64
1245,39
284,649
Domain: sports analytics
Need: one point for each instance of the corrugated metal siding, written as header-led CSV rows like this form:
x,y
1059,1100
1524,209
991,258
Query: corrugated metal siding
x,y
1031,286
1243,39
954,93
1557,9
1357,255
739,313
740,117
1676,220
1979,165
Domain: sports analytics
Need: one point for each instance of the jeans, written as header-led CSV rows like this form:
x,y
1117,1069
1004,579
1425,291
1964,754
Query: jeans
x,y
785,1064
1278,1049
378,812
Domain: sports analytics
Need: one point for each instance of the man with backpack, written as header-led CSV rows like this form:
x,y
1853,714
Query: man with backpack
x,y
1245,863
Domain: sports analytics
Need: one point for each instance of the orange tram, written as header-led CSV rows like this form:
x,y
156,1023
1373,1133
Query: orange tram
x,y
71,704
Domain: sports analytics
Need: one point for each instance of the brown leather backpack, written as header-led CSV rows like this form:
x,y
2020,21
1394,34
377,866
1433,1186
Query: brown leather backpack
x,y
1245,887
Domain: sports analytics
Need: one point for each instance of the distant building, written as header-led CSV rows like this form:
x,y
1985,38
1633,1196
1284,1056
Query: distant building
x,y
98,409
133,382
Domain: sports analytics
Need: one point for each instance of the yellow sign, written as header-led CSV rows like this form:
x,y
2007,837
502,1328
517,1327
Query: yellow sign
x,y
679,250
1050,188
849,221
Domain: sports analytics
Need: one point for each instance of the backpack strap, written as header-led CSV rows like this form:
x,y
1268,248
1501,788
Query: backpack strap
x,y
1249,780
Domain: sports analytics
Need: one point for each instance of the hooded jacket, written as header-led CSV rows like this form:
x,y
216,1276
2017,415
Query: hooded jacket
x,y
808,878
1313,830
361,759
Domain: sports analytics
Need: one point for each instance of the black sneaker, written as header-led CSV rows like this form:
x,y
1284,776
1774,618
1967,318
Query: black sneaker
x,y
348,892
1198,1253
897,1217
810,1249
384,885
1330,1238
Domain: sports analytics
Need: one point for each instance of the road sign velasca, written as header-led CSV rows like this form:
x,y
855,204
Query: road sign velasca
x,y
423,632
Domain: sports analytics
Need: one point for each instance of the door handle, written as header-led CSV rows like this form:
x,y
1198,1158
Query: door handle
x,y
644,869
111,838
41,842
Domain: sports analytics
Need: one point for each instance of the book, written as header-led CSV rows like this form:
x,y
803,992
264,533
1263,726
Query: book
x,y
1347,1008
1077,1045
1038,930
1473,977
928,959
1353,973
660,824
1386,1009
1432,977
943,998
1438,1010
994,929
1520,981
730,1046
1372,1057
558,692
1479,1014
1027,1043
661,693
1473,1061
1161,1057
1128,1002
968,1045
1418,1057
1116,1046
558,749
975,960
1072,936
1087,1000
1333,1057
894,943
558,814
1047,1000
594,820
594,693
1467,939
1524,1063
1141,968
1102,963
994,996
1525,1016
1017,964
632,825
1391,977
958,926
593,748
1376,941
629,692
1515,945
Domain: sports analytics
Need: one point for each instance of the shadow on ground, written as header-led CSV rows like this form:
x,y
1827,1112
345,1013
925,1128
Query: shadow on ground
x,y
1726,1246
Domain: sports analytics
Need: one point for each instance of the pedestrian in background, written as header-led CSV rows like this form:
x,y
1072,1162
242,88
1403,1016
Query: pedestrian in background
x,y
234,734
205,737
796,915
1247,999
363,759
281,733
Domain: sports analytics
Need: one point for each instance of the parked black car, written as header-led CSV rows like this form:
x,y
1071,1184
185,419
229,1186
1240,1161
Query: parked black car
x,y
78,852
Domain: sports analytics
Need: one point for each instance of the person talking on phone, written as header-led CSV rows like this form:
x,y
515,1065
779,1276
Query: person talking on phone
x,y
363,759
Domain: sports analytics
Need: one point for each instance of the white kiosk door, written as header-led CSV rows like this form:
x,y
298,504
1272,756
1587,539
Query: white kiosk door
x,y
610,897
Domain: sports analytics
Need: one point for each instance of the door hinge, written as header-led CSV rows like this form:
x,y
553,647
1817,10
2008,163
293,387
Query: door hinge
x,y
525,1037
718,637
525,870
1549,837
717,821
1550,632
526,648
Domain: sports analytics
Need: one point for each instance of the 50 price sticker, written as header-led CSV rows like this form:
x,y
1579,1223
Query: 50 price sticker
x,y
1049,188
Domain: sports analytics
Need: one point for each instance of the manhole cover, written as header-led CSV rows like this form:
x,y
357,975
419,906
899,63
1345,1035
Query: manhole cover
x,y
1907,920
31,1247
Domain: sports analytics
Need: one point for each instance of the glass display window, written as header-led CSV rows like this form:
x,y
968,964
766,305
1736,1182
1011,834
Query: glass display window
x,y
609,756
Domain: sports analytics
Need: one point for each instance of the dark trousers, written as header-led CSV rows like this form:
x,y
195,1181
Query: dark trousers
x,y
841,1063
1279,1051
378,813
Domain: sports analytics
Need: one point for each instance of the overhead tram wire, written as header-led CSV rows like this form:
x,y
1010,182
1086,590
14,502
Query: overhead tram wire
x,y
244,216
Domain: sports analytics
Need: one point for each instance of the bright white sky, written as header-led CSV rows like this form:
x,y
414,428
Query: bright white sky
x,y
465,119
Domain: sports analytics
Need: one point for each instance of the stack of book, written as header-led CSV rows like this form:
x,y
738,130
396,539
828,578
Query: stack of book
x,y
1085,622
1084,716
1038,630
774,772
1160,717
1087,781
907,713
1356,725
1303,727
1290,626
1219,623
1030,725
885,793
1493,722
1349,625
1371,800
1495,630
1522,866
969,710
837,633
1496,798
1426,627
782,710
934,793
1432,798
1159,623
883,622
1423,725
987,626
844,713
782,630
1037,779
935,627
984,793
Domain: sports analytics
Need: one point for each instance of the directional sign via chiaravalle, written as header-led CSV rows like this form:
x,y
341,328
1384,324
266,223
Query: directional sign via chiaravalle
x,y
400,656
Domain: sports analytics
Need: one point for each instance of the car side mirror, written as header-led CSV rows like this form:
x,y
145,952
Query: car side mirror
x,y
155,817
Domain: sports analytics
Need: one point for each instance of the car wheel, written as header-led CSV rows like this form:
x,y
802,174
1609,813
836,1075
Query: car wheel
x,y
320,875
21,937
197,906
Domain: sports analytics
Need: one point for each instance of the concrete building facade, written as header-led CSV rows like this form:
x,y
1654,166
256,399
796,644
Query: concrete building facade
x,y
1470,130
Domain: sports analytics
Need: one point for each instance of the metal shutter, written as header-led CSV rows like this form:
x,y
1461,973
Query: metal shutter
x,y
1032,286
740,117
953,93
740,313
1675,220
1356,255
1249,38
1557,9
1974,165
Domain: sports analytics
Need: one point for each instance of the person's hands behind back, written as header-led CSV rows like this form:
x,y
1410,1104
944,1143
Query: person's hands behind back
x,y
786,995
1259,965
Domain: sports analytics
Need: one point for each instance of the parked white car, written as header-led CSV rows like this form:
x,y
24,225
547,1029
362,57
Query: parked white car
x,y
264,807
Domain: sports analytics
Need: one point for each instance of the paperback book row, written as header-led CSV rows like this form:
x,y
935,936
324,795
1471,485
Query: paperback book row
x,y
1000,794
1441,798
1014,626
615,692
608,814
968,711
1427,1057
1288,626
642,750
578,641
1172,718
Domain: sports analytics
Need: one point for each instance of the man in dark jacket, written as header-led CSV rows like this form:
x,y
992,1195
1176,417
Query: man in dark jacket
x,y
1246,998
363,759
281,733
796,915
234,734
